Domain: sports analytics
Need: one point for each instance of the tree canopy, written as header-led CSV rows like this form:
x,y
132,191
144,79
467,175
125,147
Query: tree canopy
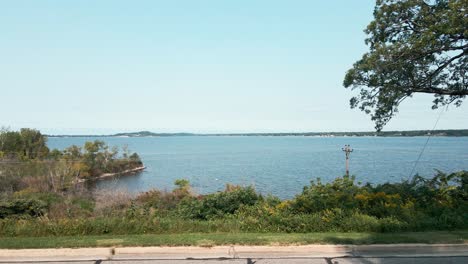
x,y
416,46
26,144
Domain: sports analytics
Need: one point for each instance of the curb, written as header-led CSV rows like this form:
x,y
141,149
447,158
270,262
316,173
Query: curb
x,y
55,254
234,252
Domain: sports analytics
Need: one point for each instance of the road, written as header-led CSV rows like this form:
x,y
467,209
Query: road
x,y
312,254
318,260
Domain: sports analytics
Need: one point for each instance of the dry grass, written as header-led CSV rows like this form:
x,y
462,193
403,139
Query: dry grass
x,y
107,201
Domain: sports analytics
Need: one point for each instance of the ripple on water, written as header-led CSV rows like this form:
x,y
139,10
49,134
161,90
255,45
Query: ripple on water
x,y
277,165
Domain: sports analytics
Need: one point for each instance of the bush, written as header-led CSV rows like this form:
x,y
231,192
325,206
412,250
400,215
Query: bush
x,y
318,197
392,224
218,204
340,206
22,207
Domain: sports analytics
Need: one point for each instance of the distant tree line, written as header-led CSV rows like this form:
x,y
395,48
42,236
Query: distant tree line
x,y
408,133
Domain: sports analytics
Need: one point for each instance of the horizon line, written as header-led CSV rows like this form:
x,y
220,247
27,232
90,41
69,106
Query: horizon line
x,y
254,133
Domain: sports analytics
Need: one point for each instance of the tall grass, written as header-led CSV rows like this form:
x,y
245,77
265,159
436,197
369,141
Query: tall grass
x,y
440,203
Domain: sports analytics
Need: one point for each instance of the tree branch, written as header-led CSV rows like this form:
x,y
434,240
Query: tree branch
x,y
443,66
433,90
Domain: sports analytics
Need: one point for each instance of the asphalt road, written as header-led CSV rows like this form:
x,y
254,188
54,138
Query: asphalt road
x,y
318,260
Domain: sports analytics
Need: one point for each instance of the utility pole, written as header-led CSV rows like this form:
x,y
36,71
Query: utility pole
x,y
347,150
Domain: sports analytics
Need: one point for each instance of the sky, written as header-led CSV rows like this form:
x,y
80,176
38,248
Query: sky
x,y
97,67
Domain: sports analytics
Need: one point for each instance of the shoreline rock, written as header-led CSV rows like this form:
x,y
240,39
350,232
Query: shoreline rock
x,y
108,175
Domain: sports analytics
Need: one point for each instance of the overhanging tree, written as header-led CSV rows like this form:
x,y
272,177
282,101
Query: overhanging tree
x,y
416,46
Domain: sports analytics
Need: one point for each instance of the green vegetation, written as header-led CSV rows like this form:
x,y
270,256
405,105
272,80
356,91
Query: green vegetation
x,y
28,165
416,46
440,203
213,239
39,199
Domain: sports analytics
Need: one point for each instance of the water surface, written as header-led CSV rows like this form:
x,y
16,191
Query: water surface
x,y
278,165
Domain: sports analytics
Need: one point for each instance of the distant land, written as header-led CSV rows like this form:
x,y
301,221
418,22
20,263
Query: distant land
x,y
411,133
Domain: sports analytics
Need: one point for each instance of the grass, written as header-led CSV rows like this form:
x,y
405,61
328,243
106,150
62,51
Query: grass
x,y
212,239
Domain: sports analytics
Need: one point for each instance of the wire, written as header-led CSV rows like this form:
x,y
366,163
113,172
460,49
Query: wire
x,y
427,141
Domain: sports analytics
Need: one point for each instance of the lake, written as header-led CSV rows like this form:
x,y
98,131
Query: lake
x,y
277,165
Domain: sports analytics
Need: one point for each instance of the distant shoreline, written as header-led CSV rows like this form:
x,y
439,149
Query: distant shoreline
x,y
410,133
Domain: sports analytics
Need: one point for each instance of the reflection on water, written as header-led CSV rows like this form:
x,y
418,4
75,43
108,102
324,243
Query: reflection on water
x,y
121,182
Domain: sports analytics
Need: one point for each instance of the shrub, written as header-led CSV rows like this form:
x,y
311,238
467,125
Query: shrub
x,y
392,224
113,202
218,204
22,207
342,206
317,197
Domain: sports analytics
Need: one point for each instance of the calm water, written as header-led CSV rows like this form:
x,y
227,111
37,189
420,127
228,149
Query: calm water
x,y
277,165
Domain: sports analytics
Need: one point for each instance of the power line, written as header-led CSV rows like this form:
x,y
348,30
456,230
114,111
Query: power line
x,y
427,141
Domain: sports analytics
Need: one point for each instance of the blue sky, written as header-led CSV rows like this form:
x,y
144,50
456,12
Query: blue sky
x,y
199,66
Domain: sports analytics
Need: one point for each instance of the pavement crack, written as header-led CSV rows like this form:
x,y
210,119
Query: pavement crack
x,y
232,251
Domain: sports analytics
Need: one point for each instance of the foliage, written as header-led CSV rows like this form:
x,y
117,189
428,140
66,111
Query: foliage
x,y
38,197
342,205
25,144
416,46
162,201
218,204
22,207
26,162
98,158
318,196
44,176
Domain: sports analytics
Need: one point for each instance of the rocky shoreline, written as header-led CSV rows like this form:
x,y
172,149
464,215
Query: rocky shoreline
x,y
108,175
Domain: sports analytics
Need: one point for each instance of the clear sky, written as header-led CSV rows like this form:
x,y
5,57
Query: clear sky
x,y
198,66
